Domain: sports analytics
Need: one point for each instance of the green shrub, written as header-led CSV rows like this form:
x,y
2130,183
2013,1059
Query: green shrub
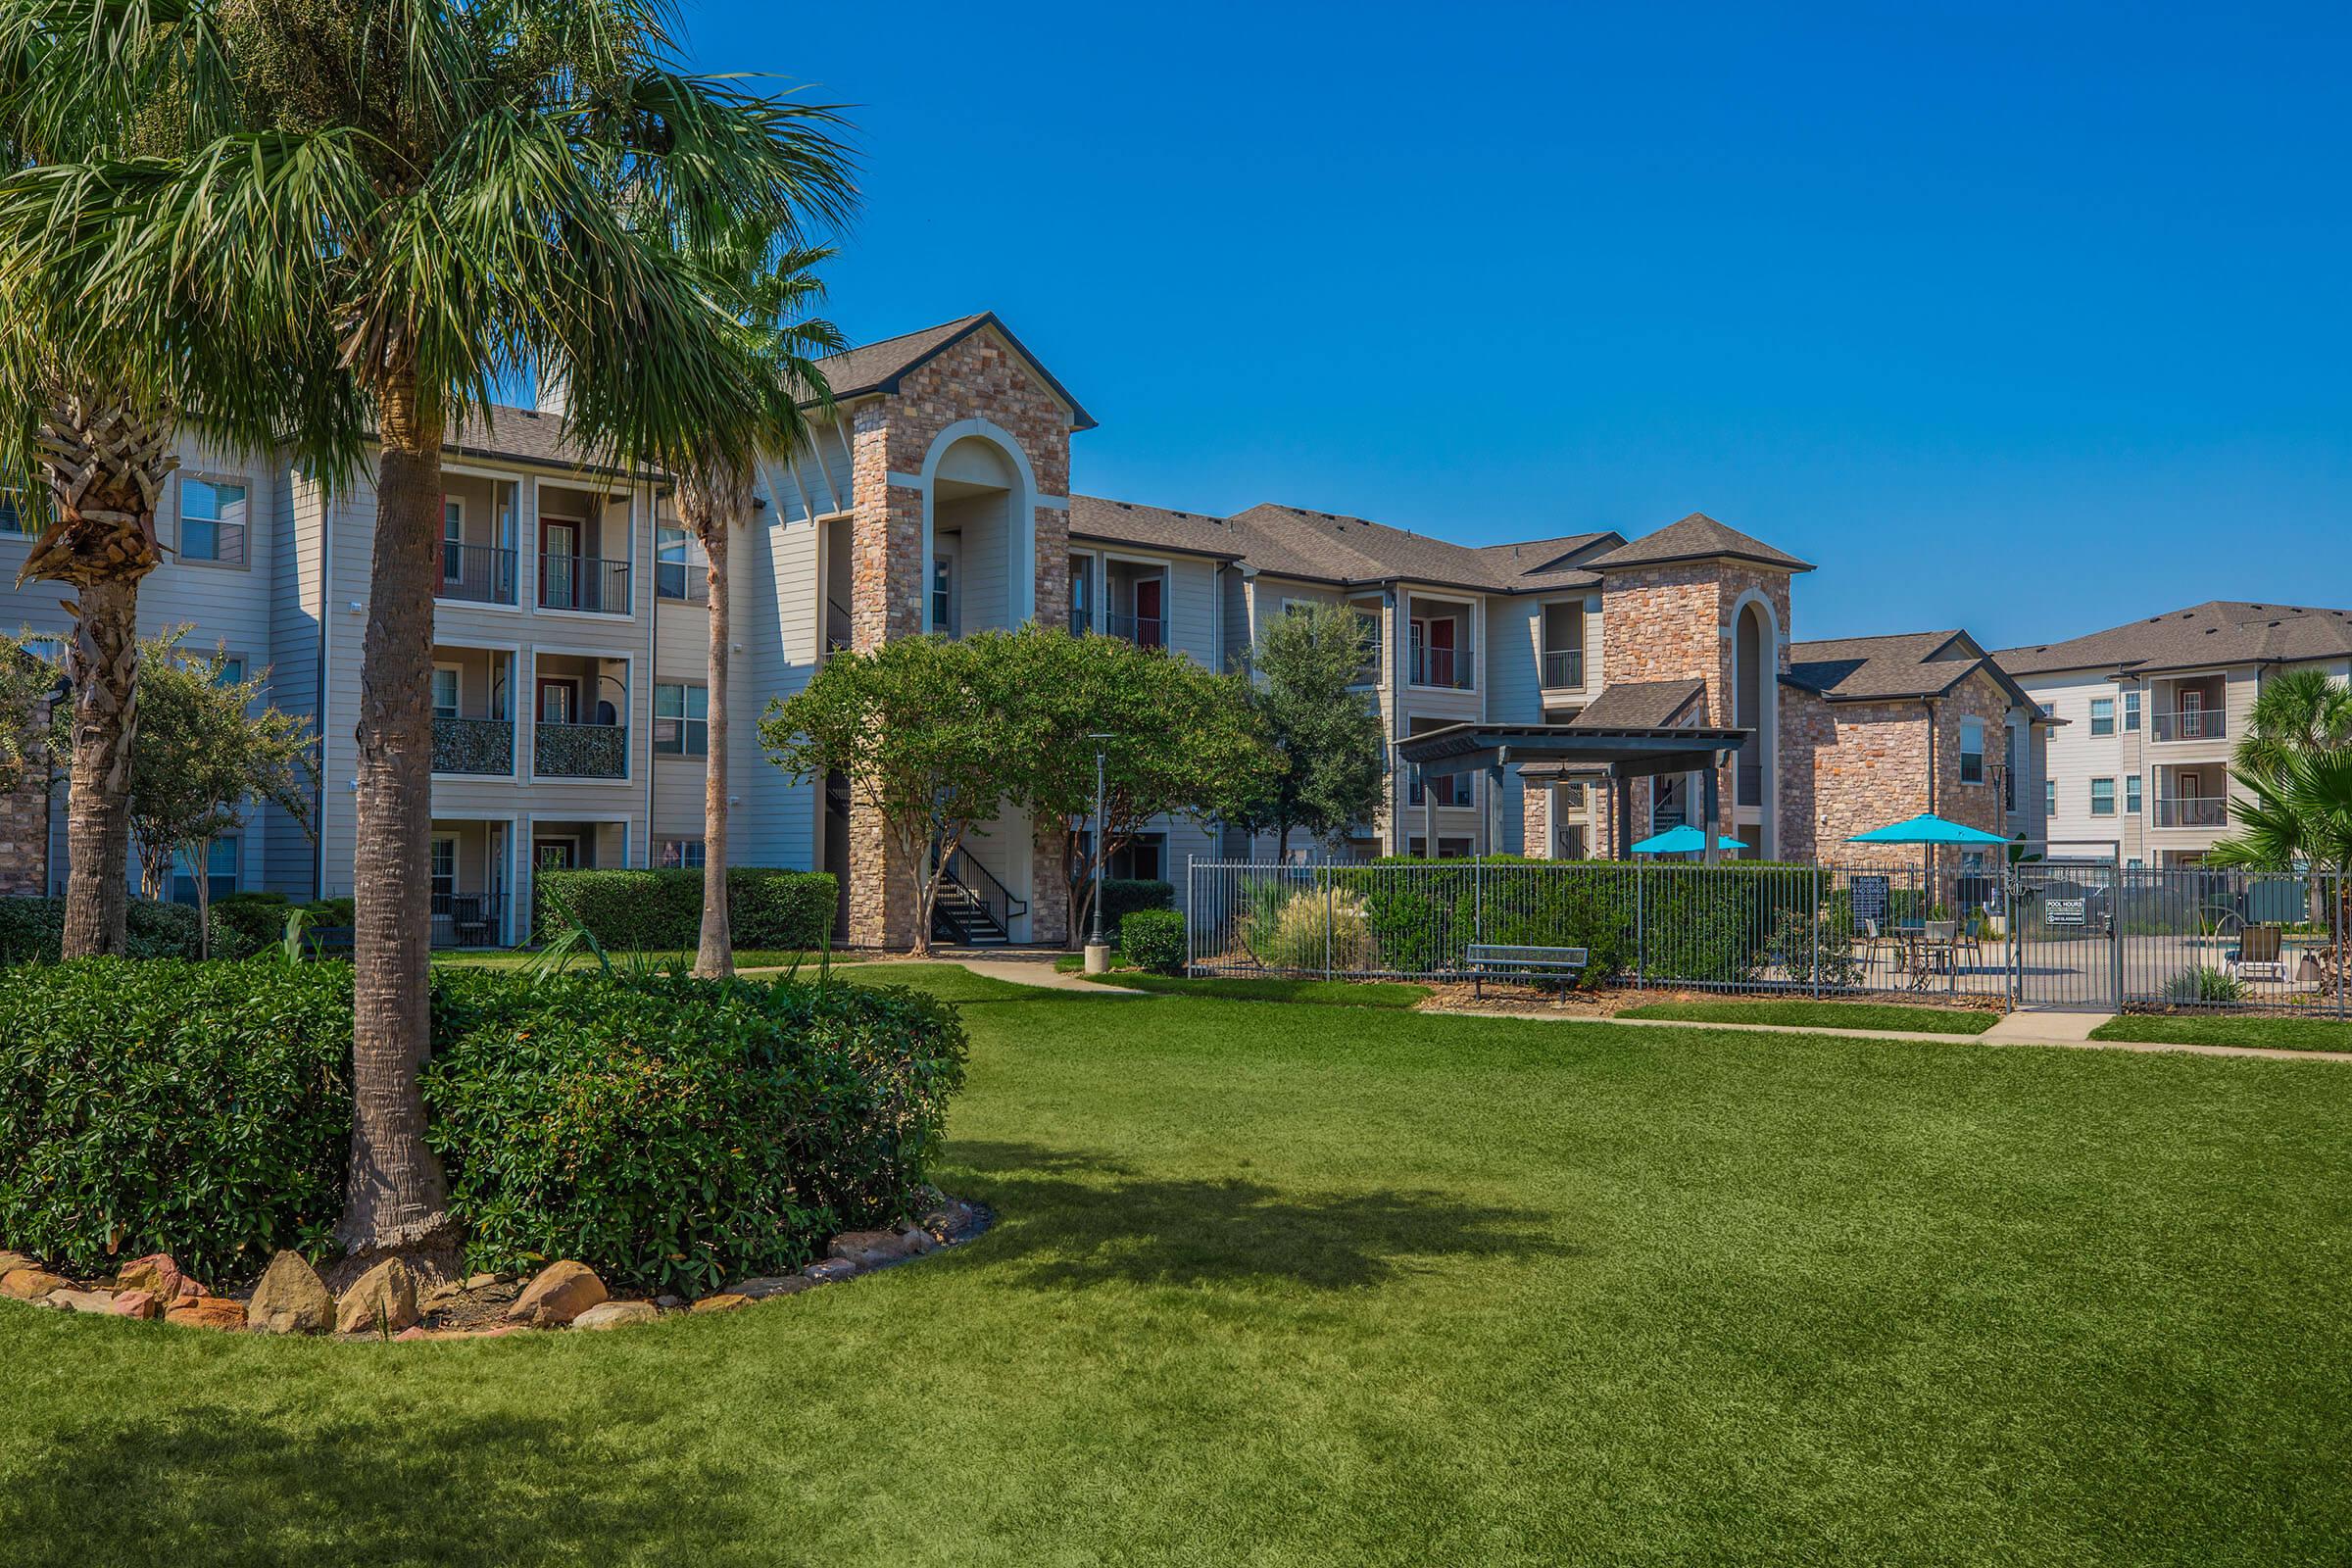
x,y
1122,896
673,1133
201,1109
1154,940
250,922
661,912
32,930
2204,984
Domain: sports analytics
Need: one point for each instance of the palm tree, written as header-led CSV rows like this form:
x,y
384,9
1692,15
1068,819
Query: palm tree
x,y
415,200
2300,710
2295,759
773,285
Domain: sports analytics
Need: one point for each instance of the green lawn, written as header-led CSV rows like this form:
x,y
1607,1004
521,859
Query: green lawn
x,y
2277,1034
745,958
1281,1284
1257,988
1822,1016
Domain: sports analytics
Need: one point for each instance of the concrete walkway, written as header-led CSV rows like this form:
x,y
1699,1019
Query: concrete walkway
x,y
2065,1030
1019,969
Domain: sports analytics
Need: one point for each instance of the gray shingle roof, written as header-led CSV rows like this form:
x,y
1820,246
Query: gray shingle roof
x,y
1911,664
1128,522
525,435
1697,537
878,367
1640,704
2219,631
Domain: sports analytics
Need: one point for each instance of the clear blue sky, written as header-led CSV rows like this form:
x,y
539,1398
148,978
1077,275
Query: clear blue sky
x,y
2026,319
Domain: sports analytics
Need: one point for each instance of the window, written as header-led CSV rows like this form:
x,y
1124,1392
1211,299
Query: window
x,y
680,854
2131,711
219,872
12,521
48,650
2102,716
2009,744
445,871
671,561
445,691
233,669
1082,594
1447,849
681,720
1367,626
2049,796
2131,795
943,595
1140,858
2102,797
453,539
212,523
1972,750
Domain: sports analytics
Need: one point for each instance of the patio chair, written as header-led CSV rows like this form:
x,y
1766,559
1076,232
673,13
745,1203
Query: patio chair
x,y
2257,955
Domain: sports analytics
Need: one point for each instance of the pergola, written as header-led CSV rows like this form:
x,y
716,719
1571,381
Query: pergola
x,y
1548,752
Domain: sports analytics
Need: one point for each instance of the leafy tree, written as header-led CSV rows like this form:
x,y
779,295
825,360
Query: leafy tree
x,y
927,731
26,682
208,748
384,208
1328,735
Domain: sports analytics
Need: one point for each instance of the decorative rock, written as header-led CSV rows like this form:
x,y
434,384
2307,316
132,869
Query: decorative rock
x,y
615,1315
136,1304
479,1282
156,1274
30,1284
72,1301
10,1262
384,1298
669,1303
875,1249
291,1299
723,1302
440,1296
830,1270
767,1285
558,1294
206,1312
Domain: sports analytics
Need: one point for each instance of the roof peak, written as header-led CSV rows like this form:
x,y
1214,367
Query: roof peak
x,y
1697,537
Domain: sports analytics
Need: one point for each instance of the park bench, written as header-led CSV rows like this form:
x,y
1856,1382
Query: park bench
x,y
1488,961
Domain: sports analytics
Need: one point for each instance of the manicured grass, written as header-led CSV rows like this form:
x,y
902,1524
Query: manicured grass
x,y
2275,1034
1822,1016
1296,1284
745,958
1255,987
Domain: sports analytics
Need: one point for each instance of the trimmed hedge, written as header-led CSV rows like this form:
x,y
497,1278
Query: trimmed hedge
x,y
1122,896
1154,940
674,1134
32,930
201,1109
661,912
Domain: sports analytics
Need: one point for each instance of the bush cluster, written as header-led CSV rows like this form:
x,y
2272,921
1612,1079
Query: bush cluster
x,y
32,930
1154,940
668,1132
1122,896
256,922
661,912
202,1109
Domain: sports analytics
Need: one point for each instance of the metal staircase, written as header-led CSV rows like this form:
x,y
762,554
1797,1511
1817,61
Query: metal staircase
x,y
973,909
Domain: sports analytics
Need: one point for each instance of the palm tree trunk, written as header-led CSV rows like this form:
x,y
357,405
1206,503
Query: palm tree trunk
x,y
709,504
103,666
397,1200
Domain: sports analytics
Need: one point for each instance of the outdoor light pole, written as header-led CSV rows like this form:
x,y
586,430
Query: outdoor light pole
x,y
1097,951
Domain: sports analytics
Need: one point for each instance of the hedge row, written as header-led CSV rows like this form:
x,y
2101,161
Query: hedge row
x,y
670,1133
32,930
661,912
1122,896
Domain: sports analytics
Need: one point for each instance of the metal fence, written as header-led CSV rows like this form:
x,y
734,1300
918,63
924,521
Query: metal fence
x,y
2052,934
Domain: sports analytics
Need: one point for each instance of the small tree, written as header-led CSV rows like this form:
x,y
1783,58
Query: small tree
x,y
26,682
205,753
926,729
1328,735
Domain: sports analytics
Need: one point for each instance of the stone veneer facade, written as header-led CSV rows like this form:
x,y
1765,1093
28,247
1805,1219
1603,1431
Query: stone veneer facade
x,y
975,379
1849,767
25,819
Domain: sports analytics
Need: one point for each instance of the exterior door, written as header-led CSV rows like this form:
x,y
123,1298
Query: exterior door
x,y
2192,713
558,701
559,564
556,853
1148,624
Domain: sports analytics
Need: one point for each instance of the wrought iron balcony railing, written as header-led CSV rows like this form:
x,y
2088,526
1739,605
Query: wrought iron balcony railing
x,y
2190,725
2192,811
585,582
1563,667
480,575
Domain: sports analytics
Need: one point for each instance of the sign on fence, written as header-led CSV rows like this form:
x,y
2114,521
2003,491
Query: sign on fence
x,y
1869,896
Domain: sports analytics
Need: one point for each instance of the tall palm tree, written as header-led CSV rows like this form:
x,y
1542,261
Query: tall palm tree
x,y
417,199
2300,710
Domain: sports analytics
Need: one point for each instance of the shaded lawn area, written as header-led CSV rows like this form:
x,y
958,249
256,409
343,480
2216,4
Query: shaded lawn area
x,y
2275,1034
1303,1285
1822,1016
1257,988
745,958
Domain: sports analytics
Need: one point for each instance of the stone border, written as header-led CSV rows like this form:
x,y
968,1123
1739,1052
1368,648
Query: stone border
x,y
394,1300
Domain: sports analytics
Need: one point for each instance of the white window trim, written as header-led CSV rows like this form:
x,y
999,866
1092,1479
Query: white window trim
x,y
180,519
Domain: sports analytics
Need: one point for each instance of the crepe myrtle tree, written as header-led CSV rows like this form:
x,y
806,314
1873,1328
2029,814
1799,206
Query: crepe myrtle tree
x,y
385,208
927,731
1184,742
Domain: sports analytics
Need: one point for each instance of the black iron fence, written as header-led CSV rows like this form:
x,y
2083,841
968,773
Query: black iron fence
x,y
481,574
585,582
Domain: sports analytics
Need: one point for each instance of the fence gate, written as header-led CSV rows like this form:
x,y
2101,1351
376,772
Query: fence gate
x,y
2064,951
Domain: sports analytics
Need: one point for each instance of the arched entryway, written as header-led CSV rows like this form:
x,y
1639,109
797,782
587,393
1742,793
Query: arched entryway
x,y
1755,708
979,562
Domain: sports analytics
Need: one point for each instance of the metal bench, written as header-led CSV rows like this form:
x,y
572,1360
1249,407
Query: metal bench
x,y
1489,960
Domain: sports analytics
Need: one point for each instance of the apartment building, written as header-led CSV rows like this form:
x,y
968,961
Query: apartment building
x,y
2151,711
935,495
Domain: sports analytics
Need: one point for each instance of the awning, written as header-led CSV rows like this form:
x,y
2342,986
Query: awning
x,y
1568,751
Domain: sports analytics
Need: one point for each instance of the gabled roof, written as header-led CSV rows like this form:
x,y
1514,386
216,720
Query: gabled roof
x,y
872,367
1697,537
1899,665
2219,631
1105,520
1641,705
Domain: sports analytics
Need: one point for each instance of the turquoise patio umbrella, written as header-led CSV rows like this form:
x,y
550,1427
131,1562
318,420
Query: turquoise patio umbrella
x,y
1684,840
1930,830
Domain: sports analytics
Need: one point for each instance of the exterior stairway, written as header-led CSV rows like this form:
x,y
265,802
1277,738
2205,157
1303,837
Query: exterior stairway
x,y
961,917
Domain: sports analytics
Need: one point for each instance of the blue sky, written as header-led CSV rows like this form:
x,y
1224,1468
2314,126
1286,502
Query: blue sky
x,y
2030,319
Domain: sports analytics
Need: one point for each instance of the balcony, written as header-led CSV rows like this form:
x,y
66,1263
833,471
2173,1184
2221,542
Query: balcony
x,y
2190,725
685,581
1564,668
1444,667
580,751
479,746
1082,620
467,919
477,574
2192,811
1144,631
584,583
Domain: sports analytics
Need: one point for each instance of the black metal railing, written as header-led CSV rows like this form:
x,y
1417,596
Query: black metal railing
x,y
1082,620
1144,631
472,745
480,574
585,582
1563,667
580,751
2192,811
2190,725
467,919
684,580
981,884
839,630
1444,667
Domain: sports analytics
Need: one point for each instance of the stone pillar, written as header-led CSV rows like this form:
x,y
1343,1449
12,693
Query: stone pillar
x,y
1535,801
1048,882
25,815
886,601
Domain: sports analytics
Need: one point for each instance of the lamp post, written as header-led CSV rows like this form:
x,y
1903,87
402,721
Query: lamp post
x,y
1097,951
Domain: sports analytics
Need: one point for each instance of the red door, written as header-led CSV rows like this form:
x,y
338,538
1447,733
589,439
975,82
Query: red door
x,y
1149,626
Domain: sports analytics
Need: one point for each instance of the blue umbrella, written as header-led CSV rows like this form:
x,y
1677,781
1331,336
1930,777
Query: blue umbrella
x,y
1927,828
1684,840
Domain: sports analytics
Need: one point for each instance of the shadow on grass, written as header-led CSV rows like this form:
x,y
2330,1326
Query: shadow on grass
x,y
219,1484
1066,1220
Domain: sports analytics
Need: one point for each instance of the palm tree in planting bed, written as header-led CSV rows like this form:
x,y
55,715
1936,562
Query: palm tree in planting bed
x,y
430,198
2296,760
